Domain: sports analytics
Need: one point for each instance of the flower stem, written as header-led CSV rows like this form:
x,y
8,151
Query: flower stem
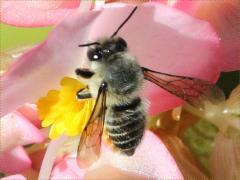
x,y
50,157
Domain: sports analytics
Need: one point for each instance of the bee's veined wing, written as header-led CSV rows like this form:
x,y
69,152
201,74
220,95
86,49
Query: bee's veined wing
x,y
90,141
194,91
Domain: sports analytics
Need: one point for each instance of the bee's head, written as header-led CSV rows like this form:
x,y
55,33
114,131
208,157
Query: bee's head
x,y
106,48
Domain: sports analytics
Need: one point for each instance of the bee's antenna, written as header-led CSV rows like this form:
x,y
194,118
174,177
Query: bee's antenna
x,y
89,44
124,22
115,33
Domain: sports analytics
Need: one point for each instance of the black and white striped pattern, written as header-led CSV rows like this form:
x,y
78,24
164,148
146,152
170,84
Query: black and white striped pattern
x,y
125,125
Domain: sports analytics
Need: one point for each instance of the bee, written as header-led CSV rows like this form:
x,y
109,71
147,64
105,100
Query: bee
x,y
115,79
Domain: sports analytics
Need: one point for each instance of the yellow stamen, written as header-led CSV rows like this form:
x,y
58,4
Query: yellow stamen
x,y
61,110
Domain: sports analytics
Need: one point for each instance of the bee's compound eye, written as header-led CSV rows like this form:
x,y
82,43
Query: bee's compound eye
x,y
94,55
106,51
121,44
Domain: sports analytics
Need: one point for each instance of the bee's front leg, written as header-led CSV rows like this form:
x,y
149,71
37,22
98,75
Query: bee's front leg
x,y
84,74
84,94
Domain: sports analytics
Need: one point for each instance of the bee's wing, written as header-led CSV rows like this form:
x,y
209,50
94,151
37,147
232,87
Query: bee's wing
x,y
90,141
193,91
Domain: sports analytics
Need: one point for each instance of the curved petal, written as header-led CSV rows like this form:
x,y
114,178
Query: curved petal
x,y
14,161
36,13
224,17
17,130
14,177
186,6
29,111
67,169
161,37
50,157
151,160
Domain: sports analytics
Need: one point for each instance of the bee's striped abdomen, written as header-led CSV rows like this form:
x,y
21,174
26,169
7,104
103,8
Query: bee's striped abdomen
x,y
125,124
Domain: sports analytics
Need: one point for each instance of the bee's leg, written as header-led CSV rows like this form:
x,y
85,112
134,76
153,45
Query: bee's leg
x,y
84,73
84,94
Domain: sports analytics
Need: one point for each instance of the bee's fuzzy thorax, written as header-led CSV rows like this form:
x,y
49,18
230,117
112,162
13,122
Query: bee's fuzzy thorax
x,y
112,64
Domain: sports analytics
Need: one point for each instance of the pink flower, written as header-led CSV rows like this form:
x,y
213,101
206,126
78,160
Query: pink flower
x,y
151,160
15,177
40,13
161,37
224,18
16,130
172,41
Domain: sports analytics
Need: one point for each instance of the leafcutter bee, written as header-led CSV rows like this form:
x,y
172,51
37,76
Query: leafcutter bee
x,y
115,79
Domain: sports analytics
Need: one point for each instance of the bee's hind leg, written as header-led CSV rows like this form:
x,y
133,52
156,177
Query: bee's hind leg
x,y
83,94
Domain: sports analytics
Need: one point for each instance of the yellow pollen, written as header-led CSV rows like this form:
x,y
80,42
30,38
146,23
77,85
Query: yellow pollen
x,y
61,110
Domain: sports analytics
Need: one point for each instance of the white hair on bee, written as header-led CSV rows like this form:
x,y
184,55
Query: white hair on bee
x,y
112,66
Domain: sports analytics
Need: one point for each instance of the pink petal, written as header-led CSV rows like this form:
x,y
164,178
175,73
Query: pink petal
x,y
36,13
151,160
67,169
187,6
173,43
29,111
17,130
51,156
14,161
224,17
15,177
